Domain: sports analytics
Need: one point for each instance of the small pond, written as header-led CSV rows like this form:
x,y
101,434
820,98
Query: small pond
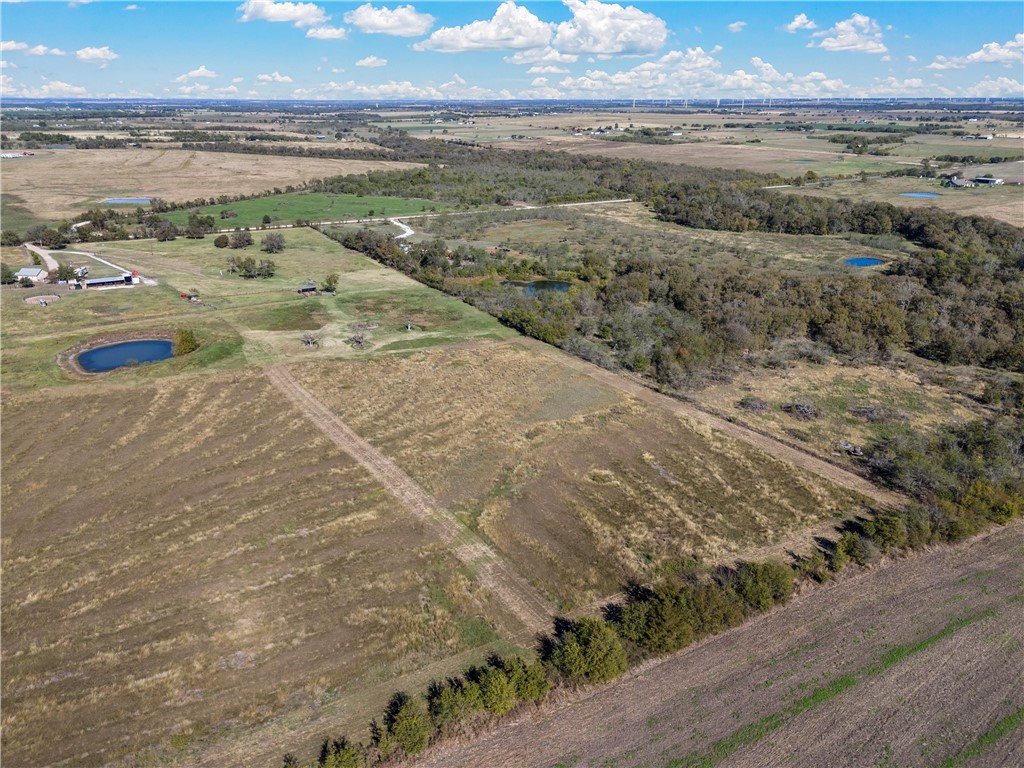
x,y
920,194
864,261
127,201
102,359
537,287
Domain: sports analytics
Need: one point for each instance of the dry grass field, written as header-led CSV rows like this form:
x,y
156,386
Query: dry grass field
x,y
906,395
55,184
914,663
582,487
1004,202
191,557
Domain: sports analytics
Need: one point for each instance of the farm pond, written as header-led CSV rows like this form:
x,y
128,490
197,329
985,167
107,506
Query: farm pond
x,y
864,261
112,356
537,287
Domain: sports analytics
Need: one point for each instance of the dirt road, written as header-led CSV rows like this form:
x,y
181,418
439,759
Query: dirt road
x,y
42,253
493,572
770,445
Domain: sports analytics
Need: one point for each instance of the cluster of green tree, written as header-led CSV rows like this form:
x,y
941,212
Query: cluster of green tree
x,y
977,160
197,135
581,652
185,341
673,320
247,267
860,144
638,136
37,140
693,603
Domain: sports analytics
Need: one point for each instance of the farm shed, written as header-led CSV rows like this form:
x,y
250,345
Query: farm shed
x,y
104,282
35,274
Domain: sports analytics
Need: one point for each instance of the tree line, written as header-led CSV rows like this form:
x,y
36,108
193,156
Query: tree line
x,y
696,602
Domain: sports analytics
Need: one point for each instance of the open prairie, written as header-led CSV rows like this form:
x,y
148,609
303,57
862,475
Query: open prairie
x,y
554,467
55,184
210,565
1004,202
916,663
190,557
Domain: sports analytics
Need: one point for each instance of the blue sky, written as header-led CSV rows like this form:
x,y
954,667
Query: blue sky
x,y
513,49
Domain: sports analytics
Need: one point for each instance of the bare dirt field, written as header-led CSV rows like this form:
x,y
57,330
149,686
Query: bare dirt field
x,y
191,557
579,484
58,183
904,665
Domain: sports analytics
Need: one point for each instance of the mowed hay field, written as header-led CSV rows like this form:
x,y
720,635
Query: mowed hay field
x,y
190,558
915,663
55,184
581,486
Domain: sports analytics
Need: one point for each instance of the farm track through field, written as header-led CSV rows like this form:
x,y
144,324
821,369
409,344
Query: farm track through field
x,y
766,443
490,568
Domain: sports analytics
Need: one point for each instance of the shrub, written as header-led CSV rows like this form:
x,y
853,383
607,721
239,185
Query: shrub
x,y
753,404
185,341
856,547
887,530
221,241
587,651
761,585
406,726
660,620
801,409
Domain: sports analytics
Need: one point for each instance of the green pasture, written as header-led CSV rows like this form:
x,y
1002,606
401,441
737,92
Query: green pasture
x,y
309,206
239,322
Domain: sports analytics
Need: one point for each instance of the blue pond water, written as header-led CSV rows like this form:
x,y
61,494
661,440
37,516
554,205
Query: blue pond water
x,y
538,287
920,194
127,200
864,261
114,356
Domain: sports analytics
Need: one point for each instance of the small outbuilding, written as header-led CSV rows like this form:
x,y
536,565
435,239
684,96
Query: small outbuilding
x,y
108,282
987,180
35,274
307,289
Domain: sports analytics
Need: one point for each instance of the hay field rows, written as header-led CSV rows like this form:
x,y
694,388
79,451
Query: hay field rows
x,y
55,184
190,556
909,664
552,466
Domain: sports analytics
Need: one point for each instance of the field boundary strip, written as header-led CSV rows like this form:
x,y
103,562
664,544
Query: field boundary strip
x,y
493,572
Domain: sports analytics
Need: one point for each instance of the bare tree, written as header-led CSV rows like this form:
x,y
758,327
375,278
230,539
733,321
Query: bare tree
x,y
310,339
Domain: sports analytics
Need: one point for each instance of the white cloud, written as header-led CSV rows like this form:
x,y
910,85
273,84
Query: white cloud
x,y
539,82
131,7
12,45
300,14
202,71
547,69
274,77
230,90
372,61
195,89
403,21
4,64
327,33
237,79
42,50
1009,54
512,28
338,70
546,55
892,86
800,21
911,58
101,56
1001,86
696,73
609,29
858,33
737,26
53,88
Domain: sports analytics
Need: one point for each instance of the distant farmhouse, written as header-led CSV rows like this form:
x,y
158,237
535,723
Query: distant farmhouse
x,y
961,183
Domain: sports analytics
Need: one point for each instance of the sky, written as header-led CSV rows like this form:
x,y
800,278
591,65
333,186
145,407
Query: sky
x,y
516,49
